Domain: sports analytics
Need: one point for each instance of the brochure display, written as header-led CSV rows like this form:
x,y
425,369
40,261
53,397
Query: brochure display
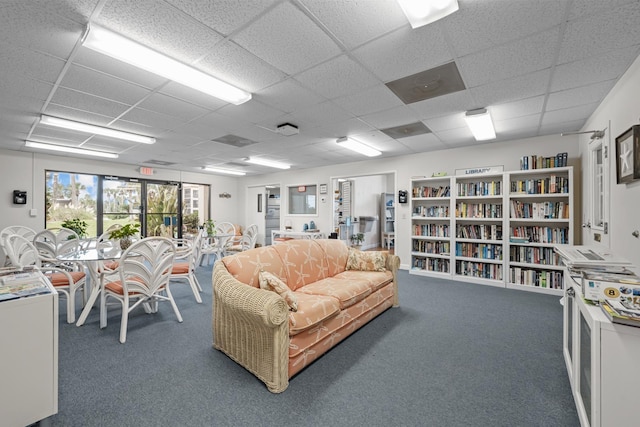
x,y
29,336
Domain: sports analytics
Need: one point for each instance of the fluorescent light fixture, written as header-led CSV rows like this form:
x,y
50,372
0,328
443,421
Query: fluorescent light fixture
x,y
423,12
480,124
227,171
264,162
121,48
74,150
97,130
358,147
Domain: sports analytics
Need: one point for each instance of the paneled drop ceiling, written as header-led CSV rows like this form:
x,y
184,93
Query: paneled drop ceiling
x,y
540,67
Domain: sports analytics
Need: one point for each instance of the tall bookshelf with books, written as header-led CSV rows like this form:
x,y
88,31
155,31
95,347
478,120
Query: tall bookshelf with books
x,y
540,216
431,226
495,229
479,215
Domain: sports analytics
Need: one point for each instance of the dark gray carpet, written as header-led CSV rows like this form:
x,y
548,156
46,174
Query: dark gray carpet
x,y
453,354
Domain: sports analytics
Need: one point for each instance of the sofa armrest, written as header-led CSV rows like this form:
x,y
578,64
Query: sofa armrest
x,y
393,264
251,326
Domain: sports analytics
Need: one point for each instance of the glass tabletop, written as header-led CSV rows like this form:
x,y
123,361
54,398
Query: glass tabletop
x,y
92,254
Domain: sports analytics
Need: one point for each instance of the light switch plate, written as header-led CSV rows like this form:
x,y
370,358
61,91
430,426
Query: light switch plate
x,y
33,212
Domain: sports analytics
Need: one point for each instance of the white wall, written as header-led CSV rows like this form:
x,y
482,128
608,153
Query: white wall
x,y
507,154
26,171
618,112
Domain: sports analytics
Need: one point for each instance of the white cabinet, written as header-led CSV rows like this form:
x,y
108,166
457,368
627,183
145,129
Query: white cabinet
x,y
601,359
29,359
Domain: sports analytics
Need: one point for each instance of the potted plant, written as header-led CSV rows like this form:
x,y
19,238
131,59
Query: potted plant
x,y
124,234
76,224
357,239
210,227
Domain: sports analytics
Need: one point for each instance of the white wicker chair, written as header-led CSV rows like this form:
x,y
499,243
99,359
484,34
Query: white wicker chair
x,y
216,245
21,230
144,271
247,241
67,278
188,253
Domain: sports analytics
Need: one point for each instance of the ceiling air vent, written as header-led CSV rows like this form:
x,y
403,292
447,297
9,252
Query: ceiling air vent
x,y
287,129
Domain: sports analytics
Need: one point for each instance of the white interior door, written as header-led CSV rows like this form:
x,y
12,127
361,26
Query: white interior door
x,y
256,208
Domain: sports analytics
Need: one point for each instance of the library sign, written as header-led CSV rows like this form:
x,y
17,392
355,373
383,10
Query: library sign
x,y
479,169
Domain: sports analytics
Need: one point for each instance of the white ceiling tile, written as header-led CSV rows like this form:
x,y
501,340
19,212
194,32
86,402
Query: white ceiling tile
x,y
287,39
604,66
480,25
26,87
224,16
234,65
370,100
405,52
445,104
339,129
251,112
520,87
582,8
354,23
600,33
288,96
162,122
516,125
164,104
18,62
451,137
85,102
568,114
422,143
451,121
320,114
579,96
513,109
337,77
558,127
192,96
521,57
159,26
393,117
102,85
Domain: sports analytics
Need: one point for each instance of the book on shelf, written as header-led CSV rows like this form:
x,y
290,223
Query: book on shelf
x,y
621,313
588,256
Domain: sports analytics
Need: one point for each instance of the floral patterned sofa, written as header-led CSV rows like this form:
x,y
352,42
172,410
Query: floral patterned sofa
x,y
278,308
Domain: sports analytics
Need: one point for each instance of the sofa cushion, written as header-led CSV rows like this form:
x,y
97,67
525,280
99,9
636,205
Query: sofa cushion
x,y
270,282
375,279
312,309
336,254
303,260
348,292
366,261
246,266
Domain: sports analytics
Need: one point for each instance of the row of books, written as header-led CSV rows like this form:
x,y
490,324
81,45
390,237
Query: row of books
x,y
431,211
479,231
482,188
431,191
479,250
551,185
539,162
533,255
539,234
479,269
478,210
430,247
538,278
440,265
431,230
539,210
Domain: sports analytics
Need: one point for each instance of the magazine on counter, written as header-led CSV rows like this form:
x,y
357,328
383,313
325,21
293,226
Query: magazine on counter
x,y
588,256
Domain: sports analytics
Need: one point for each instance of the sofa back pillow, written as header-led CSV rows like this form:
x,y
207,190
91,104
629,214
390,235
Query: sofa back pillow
x,y
336,253
366,260
246,266
303,260
270,282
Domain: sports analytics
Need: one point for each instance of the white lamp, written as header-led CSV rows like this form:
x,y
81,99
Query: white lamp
x,y
358,147
116,46
225,171
74,150
97,130
264,162
480,124
423,12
